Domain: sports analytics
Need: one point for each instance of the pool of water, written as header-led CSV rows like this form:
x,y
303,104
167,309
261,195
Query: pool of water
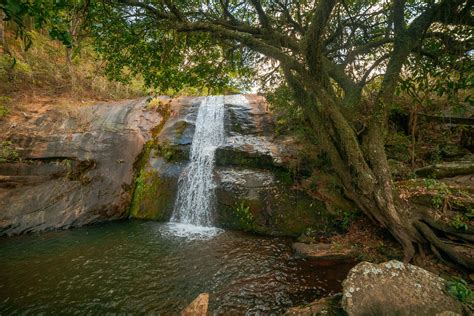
x,y
139,267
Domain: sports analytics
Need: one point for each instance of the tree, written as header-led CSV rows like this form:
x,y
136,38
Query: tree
x,y
42,14
327,52
340,59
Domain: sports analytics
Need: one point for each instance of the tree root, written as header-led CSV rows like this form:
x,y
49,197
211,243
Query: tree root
x,y
446,248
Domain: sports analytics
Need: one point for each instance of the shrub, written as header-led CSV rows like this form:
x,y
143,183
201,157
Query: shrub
x,y
459,289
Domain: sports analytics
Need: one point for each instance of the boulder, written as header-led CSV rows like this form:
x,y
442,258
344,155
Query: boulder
x,y
65,168
395,288
264,201
198,307
322,251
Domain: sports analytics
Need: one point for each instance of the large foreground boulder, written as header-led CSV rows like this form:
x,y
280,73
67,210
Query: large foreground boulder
x,y
395,288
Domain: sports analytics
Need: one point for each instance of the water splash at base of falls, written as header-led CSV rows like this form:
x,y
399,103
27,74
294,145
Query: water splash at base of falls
x,y
195,201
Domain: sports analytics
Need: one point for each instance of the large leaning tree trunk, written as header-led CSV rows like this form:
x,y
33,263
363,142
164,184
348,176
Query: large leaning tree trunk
x,y
328,51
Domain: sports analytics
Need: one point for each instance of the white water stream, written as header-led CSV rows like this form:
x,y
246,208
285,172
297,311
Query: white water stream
x,y
195,201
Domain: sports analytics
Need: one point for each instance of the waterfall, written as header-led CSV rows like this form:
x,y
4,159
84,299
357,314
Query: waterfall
x,y
195,200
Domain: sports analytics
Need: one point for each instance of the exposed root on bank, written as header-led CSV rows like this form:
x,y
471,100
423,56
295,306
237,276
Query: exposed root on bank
x,y
448,243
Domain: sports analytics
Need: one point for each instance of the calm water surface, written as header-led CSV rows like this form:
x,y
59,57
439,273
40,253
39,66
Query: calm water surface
x,y
138,267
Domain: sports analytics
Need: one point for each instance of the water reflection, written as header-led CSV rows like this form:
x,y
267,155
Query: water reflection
x,y
135,266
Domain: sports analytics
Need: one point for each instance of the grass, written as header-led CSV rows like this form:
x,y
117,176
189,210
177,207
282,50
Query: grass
x,y
44,73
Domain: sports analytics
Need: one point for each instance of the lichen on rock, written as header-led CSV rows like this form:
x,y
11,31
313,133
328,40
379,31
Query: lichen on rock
x,y
395,288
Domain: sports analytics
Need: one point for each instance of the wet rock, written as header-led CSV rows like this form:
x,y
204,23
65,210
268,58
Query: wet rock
x,y
254,189
166,156
198,307
322,251
73,168
323,306
155,189
249,118
264,201
395,288
248,151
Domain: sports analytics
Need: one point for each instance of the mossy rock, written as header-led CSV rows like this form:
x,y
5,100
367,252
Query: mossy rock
x,y
171,152
153,197
274,209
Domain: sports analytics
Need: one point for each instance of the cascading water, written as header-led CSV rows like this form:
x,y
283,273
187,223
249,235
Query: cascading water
x,y
195,199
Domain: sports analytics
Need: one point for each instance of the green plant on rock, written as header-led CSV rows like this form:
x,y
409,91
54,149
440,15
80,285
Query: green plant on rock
x,y
460,222
443,194
430,183
4,111
346,218
69,171
8,152
245,216
459,289
169,152
140,183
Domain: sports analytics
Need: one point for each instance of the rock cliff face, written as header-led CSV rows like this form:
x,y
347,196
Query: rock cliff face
x,y
61,168
254,189
64,167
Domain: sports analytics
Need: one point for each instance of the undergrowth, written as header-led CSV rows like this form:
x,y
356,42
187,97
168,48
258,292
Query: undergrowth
x,y
45,71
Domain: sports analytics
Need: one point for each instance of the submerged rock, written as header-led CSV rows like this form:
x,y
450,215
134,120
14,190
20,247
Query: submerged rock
x,y
322,251
198,307
322,306
395,288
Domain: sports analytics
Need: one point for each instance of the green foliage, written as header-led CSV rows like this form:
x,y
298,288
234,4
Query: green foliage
x,y
431,183
289,118
346,218
169,61
442,192
8,152
460,221
3,111
245,216
43,70
436,155
459,289
438,200
45,14
170,152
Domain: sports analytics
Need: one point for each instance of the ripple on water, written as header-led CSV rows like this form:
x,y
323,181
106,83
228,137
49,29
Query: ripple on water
x,y
139,267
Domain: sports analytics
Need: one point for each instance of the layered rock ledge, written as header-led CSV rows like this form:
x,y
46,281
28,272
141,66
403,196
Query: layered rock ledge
x,y
63,167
